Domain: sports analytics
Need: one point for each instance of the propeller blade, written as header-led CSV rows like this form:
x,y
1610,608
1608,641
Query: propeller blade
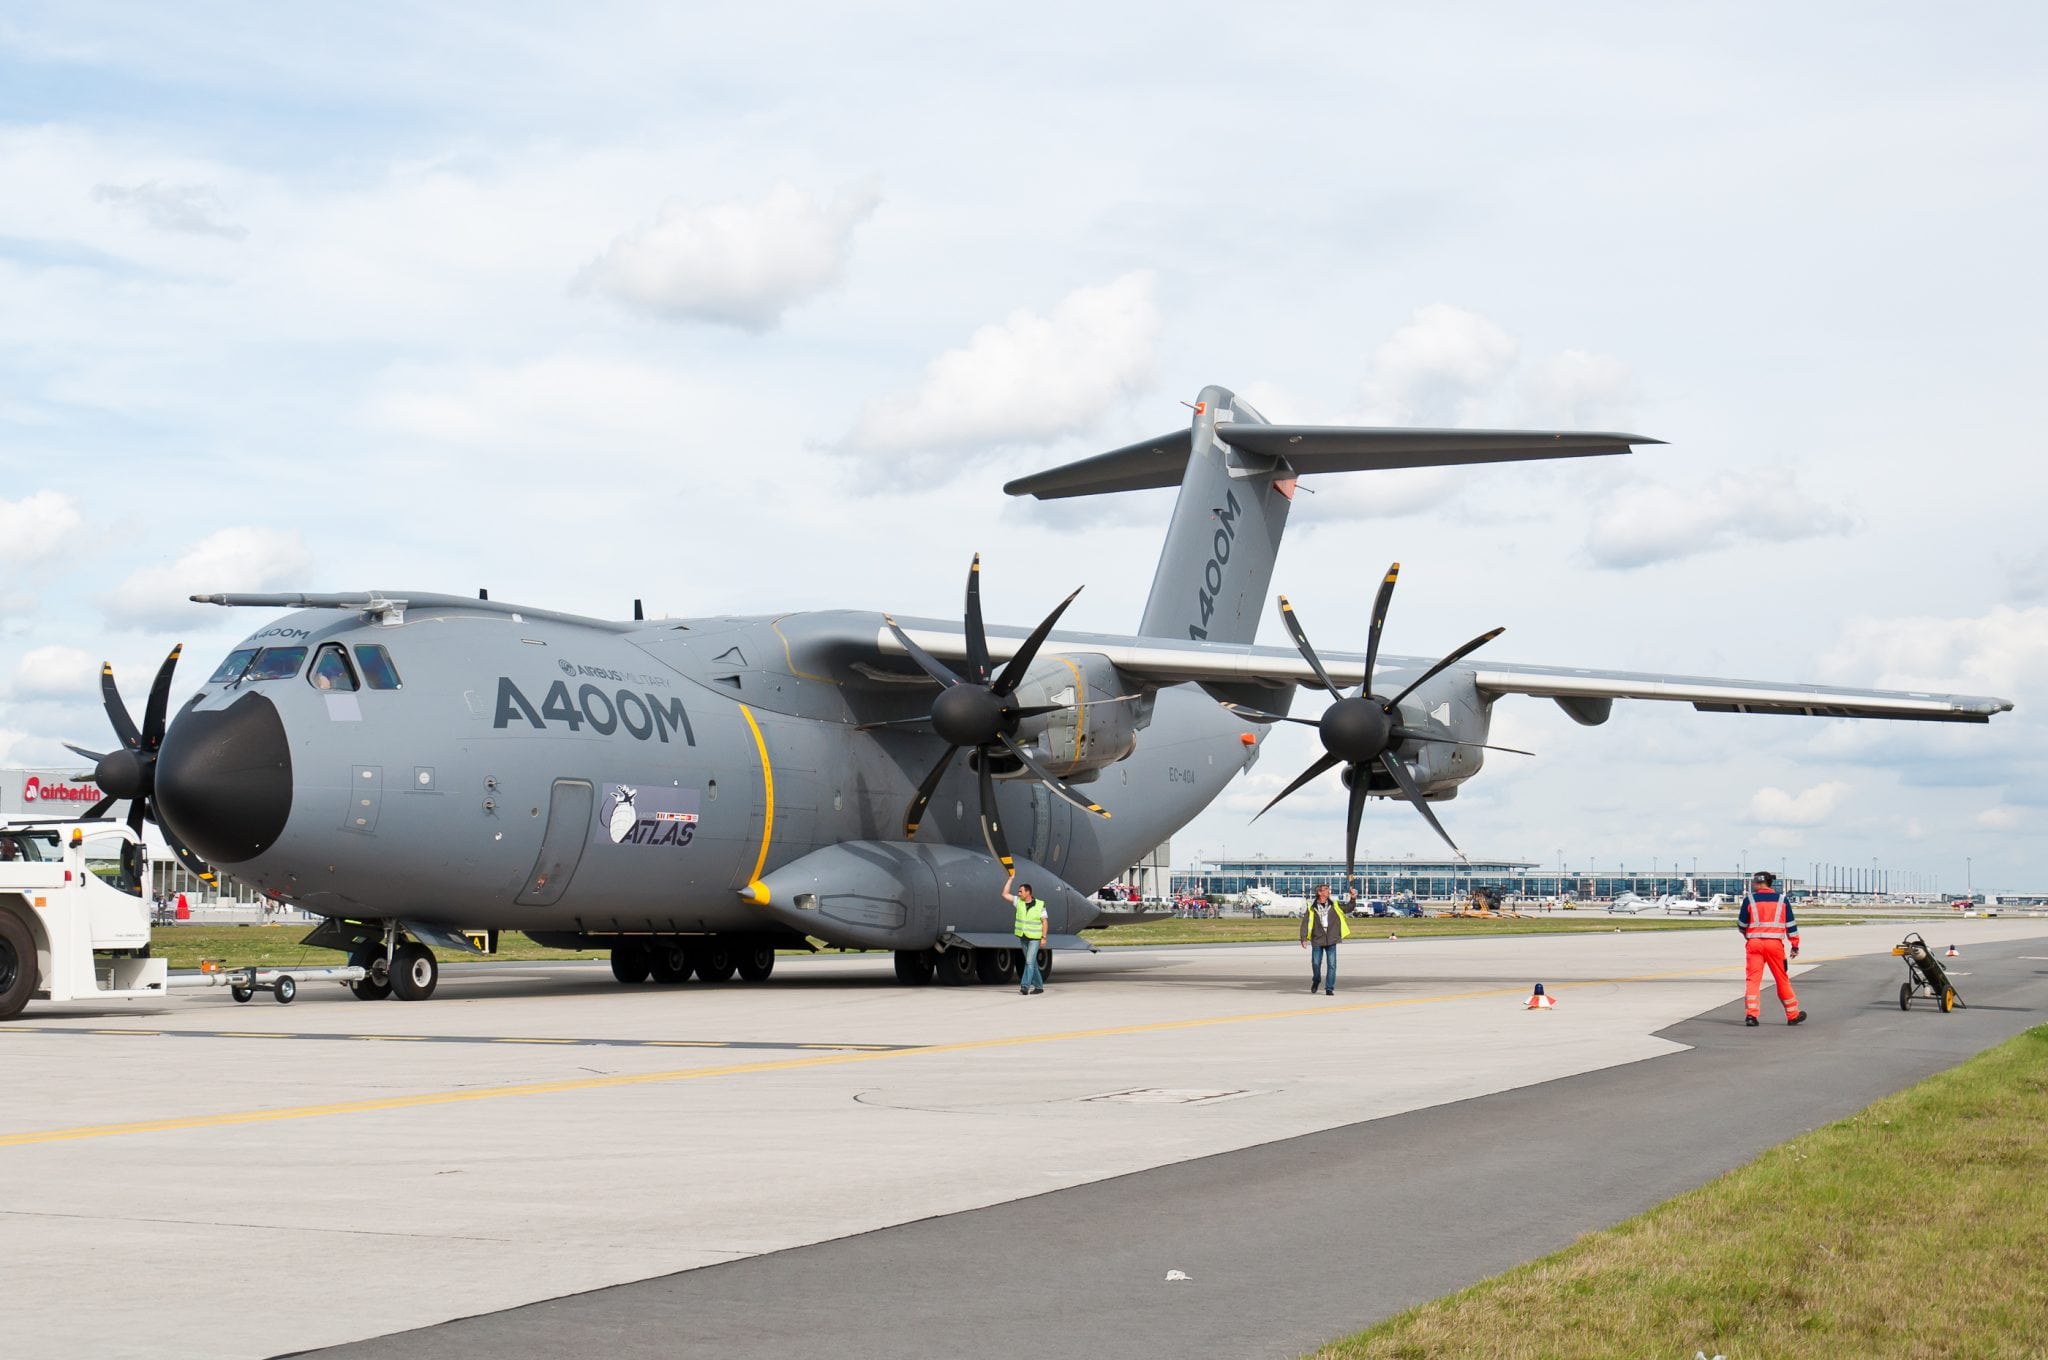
x,y
184,853
1308,653
94,756
991,819
1050,780
1410,734
1359,785
926,662
159,700
117,712
1328,762
135,815
1013,672
977,636
99,809
1039,710
1395,768
1379,623
915,817
923,721
1474,645
1261,716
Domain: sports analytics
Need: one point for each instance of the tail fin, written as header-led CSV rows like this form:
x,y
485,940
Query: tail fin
x,y
1236,473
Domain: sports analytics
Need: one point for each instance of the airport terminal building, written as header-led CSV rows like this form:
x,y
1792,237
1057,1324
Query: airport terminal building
x,y
1445,878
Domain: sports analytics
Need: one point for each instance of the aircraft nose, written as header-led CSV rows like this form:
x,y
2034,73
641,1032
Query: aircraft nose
x,y
224,779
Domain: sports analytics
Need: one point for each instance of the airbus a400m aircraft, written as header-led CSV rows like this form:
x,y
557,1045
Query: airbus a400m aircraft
x,y
692,794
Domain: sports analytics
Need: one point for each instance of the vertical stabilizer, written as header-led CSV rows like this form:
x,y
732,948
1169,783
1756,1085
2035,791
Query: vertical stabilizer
x,y
1217,564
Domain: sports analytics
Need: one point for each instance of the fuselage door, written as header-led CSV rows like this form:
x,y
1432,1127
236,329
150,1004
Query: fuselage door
x,y
561,846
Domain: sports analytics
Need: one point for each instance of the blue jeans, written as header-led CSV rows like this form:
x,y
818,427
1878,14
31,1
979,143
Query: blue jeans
x,y
1029,976
1316,954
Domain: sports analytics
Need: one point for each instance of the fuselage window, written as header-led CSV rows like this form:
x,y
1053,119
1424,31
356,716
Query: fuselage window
x,y
376,664
330,669
232,668
276,663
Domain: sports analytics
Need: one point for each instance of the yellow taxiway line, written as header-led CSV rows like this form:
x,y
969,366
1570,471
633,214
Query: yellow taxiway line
x,y
234,1118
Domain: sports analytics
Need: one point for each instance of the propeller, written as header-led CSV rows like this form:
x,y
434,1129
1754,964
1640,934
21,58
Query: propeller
x,y
979,711
1363,731
129,770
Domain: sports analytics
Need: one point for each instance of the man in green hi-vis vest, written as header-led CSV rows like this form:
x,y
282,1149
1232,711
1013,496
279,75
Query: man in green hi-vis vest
x,y
1031,933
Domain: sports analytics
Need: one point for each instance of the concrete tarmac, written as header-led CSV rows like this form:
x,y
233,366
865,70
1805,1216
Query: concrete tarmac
x,y
864,1168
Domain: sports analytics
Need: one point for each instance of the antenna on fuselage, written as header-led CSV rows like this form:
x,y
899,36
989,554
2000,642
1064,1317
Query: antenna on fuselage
x,y
483,594
639,615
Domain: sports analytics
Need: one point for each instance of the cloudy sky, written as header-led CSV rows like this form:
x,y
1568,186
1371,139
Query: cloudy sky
x,y
757,310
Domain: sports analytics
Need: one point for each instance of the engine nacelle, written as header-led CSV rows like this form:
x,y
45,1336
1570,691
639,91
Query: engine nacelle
x,y
1098,725
1448,706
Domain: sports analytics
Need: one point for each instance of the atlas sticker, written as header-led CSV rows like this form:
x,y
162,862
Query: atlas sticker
x,y
647,815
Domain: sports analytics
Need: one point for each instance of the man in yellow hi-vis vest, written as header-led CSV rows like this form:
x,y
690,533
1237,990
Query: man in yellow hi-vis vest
x,y
1031,933
1322,926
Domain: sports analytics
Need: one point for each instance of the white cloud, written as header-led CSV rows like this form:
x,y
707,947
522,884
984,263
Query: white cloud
x,y
243,558
2003,651
738,263
1576,390
36,525
1810,807
1433,369
2002,818
1645,522
562,405
191,208
1031,379
62,673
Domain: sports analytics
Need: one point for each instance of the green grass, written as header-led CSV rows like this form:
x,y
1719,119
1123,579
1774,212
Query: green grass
x,y
277,946
1917,1227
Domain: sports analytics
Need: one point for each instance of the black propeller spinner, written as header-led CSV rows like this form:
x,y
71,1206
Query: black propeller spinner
x,y
129,771
1362,731
975,711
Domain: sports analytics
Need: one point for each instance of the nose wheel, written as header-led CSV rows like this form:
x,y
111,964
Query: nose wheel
x,y
415,972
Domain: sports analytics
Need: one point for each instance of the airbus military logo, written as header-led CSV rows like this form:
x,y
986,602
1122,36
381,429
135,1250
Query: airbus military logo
x,y
643,716
640,815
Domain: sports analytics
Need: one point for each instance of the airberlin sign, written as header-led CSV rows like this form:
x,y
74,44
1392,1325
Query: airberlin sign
x,y
36,791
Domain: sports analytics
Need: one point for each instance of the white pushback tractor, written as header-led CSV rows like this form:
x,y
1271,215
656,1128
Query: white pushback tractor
x,y
67,932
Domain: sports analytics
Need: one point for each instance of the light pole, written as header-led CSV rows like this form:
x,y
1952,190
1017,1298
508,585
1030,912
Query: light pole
x,y
1969,882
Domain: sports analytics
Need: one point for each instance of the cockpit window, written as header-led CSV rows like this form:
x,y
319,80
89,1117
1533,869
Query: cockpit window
x,y
276,663
376,663
330,669
232,668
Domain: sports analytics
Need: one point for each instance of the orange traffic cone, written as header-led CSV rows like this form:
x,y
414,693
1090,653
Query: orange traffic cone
x,y
1952,952
1540,1000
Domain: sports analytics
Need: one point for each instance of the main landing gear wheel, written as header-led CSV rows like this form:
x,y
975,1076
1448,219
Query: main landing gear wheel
x,y
415,972
913,967
377,985
757,961
1045,963
18,966
630,962
670,963
1905,996
996,965
955,968
715,960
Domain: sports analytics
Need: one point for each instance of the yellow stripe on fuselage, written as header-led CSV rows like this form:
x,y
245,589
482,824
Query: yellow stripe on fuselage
x,y
757,890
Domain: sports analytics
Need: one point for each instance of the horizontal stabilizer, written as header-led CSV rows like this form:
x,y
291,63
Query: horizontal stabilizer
x,y
1307,450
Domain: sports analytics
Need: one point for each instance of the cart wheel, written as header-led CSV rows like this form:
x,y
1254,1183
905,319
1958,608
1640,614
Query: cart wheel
x,y
1948,1000
1905,996
286,990
240,994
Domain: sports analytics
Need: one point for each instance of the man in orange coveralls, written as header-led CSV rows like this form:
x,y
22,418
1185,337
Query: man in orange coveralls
x,y
1768,929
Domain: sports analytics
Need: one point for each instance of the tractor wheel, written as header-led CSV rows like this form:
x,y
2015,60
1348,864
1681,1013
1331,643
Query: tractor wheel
x,y
18,964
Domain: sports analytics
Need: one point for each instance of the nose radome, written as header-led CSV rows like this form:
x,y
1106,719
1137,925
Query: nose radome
x,y
224,779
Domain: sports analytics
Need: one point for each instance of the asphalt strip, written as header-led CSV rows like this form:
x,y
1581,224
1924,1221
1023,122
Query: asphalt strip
x,y
1290,1244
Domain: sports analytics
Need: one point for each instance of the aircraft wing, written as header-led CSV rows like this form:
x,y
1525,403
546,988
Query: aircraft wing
x,y
1584,693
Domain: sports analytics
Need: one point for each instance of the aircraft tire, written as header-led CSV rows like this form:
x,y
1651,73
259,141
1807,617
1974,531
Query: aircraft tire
x,y
415,972
630,963
714,959
669,963
377,985
956,968
1045,963
914,967
996,966
757,961
18,964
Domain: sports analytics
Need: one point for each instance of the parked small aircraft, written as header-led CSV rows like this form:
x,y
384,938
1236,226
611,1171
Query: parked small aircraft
x,y
691,794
